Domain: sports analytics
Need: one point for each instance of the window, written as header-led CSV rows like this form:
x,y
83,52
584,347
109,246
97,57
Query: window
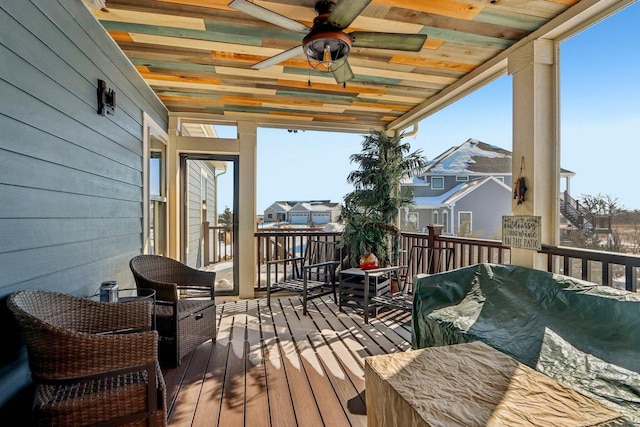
x,y
445,221
155,174
435,217
462,178
203,187
155,230
437,182
464,224
412,220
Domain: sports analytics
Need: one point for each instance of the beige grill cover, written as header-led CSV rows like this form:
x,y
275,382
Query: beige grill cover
x,y
471,385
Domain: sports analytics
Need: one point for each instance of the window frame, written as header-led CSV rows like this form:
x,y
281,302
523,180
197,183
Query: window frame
x,y
439,178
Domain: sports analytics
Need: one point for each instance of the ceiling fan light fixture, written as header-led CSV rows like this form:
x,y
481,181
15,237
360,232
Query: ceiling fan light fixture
x,y
327,51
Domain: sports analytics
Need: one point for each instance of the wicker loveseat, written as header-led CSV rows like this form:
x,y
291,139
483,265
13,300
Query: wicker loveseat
x,y
185,304
91,362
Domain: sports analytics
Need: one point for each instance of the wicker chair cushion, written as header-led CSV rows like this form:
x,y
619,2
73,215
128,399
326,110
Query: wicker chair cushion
x,y
84,403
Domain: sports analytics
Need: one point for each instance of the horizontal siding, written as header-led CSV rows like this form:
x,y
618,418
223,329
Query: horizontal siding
x,y
194,214
19,235
68,149
47,261
70,179
60,178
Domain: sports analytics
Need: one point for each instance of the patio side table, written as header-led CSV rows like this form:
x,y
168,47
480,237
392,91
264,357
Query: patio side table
x,y
357,286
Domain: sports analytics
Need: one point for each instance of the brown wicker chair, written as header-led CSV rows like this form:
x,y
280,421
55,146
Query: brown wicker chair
x,y
185,305
91,362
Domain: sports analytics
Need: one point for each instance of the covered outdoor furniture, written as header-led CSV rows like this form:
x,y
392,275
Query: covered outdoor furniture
x,y
472,384
185,304
311,275
581,334
91,362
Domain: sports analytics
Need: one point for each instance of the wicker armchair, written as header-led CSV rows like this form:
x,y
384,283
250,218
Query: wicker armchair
x,y
185,305
91,362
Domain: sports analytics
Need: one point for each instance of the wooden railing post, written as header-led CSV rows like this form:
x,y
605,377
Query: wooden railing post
x,y
435,230
205,234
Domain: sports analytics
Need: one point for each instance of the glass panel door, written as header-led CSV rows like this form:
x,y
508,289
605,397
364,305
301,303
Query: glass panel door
x,y
209,206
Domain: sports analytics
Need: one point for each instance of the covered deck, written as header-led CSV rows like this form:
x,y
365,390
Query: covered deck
x,y
77,190
276,367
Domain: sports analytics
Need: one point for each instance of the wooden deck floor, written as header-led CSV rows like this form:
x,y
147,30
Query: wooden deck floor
x,y
276,367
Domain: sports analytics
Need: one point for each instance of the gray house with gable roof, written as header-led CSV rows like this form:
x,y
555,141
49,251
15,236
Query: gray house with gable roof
x,y
467,189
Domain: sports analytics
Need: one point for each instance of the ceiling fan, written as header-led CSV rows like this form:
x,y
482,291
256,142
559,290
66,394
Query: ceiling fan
x,y
326,45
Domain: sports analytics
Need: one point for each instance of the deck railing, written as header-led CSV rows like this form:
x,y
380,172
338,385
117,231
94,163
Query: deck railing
x,y
280,243
466,251
218,243
607,268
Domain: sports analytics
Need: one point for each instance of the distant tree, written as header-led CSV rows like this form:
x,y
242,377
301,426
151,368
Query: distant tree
x,y
601,204
597,205
226,218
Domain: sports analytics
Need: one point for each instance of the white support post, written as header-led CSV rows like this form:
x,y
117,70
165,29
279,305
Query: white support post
x,y
173,180
246,250
536,141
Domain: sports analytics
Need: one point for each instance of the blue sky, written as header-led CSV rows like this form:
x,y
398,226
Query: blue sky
x,y
600,126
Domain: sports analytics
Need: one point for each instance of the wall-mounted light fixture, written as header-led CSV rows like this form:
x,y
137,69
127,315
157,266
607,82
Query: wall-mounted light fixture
x,y
106,99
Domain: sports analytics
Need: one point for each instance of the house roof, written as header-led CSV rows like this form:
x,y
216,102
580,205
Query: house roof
x,y
471,157
455,194
280,206
315,206
198,55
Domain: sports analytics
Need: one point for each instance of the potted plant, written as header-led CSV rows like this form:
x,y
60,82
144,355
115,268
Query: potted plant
x,y
370,211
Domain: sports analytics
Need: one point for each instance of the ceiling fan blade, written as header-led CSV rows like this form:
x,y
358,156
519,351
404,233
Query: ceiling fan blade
x,y
267,15
346,11
343,74
396,41
276,59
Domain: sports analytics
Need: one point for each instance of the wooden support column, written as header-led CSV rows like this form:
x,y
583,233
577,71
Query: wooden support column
x,y
536,141
173,181
246,250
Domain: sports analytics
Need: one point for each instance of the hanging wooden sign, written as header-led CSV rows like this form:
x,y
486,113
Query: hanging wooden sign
x,y
522,231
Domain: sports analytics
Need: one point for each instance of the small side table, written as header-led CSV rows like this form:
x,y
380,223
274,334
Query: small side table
x,y
358,285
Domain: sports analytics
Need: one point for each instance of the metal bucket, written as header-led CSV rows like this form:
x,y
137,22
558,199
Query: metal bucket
x,y
109,291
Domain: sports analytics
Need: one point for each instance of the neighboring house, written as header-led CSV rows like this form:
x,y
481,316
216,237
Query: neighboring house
x,y
467,189
277,212
314,212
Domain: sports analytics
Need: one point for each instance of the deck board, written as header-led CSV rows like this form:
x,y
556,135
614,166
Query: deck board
x,y
272,366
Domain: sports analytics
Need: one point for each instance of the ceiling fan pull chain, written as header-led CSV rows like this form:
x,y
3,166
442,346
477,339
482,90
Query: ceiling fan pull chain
x,y
344,77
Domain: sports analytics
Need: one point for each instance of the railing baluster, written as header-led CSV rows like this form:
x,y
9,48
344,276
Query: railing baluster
x,y
467,251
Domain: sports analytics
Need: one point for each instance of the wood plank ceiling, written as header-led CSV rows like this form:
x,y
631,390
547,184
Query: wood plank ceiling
x,y
197,56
